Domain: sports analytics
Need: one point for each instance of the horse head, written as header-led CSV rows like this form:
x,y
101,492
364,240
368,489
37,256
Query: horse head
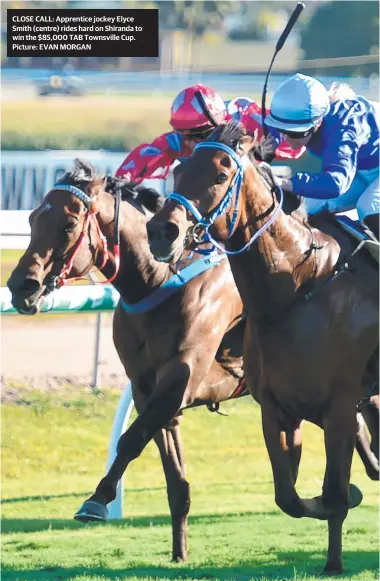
x,y
208,186
75,229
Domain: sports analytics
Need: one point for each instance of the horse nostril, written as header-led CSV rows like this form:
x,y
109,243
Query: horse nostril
x,y
153,232
171,231
30,286
167,232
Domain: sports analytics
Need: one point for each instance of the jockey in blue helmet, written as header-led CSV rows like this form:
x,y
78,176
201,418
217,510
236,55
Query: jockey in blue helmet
x,y
344,133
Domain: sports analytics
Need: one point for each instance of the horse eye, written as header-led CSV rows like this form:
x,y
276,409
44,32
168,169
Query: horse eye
x,y
222,177
70,227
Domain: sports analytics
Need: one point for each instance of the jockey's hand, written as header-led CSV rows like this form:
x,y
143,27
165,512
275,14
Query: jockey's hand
x,y
284,183
124,175
265,150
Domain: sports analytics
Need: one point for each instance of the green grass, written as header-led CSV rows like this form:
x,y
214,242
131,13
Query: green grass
x,y
112,123
54,449
116,123
9,259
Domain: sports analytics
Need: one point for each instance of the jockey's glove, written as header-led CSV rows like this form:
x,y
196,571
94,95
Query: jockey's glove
x,y
265,150
284,183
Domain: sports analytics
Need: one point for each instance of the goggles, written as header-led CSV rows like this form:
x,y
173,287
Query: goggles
x,y
297,134
196,134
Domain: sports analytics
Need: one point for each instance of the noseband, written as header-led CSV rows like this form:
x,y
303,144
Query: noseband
x,y
61,279
204,222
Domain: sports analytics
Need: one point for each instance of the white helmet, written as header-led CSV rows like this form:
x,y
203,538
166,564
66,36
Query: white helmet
x,y
298,104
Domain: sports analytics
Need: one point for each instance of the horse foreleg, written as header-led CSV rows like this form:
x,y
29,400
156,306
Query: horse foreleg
x,y
293,443
284,460
169,442
363,447
338,495
161,408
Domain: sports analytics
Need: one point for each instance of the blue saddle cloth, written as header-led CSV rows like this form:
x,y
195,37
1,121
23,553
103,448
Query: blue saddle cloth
x,y
174,283
356,229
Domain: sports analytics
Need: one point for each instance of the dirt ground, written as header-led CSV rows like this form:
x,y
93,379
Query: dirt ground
x,y
51,351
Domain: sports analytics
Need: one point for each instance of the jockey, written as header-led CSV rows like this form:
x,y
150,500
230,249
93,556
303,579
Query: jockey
x,y
195,113
342,130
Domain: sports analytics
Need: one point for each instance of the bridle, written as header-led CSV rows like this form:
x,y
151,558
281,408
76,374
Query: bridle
x,y
200,231
61,279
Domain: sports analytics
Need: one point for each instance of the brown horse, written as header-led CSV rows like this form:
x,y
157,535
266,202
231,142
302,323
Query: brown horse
x,y
312,314
180,354
154,346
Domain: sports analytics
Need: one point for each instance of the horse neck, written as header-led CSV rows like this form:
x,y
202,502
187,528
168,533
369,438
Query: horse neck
x,y
139,273
276,264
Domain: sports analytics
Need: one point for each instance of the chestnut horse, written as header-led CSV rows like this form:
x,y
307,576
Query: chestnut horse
x,y
312,313
179,354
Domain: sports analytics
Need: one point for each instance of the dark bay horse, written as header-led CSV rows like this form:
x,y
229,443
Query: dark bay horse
x,y
182,353
312,314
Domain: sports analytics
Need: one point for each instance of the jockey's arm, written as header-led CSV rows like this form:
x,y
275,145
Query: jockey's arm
x,y
339,163
145,159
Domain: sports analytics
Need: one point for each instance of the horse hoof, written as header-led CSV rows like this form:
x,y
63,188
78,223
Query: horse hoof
x,y
373,474
355,496
333,569
92,511
178,559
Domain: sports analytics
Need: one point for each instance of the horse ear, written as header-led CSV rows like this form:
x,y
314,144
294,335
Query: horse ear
x,y
151,199
96,185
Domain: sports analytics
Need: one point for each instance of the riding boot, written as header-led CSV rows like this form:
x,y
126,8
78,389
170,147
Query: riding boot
x,y
372,223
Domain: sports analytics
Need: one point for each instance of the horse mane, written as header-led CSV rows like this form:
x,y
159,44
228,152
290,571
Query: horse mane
x,y
291,203
85,172
228,133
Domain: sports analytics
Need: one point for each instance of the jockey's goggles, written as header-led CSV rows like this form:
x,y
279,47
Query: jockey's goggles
x,y
196,134
297,134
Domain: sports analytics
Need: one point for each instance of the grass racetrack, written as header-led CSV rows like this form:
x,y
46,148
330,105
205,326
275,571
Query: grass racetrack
x,y
98,121
54,450
84,123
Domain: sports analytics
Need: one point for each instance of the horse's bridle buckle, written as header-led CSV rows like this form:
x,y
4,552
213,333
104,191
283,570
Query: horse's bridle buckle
x,y
196,233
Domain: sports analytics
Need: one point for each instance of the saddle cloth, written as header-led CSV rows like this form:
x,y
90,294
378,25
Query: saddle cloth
x,y
350,223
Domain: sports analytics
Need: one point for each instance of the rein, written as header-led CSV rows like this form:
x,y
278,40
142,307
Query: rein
x,y
61,279
204,222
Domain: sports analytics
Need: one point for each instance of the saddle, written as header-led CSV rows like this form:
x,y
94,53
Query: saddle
x,y
349,220
359,232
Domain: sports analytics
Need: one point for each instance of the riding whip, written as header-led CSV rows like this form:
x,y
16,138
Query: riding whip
x,y
280,43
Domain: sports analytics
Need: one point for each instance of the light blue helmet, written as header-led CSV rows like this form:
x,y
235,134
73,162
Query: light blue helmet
x,y
298,104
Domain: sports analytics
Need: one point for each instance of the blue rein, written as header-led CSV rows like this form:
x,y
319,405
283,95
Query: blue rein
x,y
204,222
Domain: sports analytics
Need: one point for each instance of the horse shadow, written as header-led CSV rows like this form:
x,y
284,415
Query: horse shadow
x,y
286,565
19,525
312,565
